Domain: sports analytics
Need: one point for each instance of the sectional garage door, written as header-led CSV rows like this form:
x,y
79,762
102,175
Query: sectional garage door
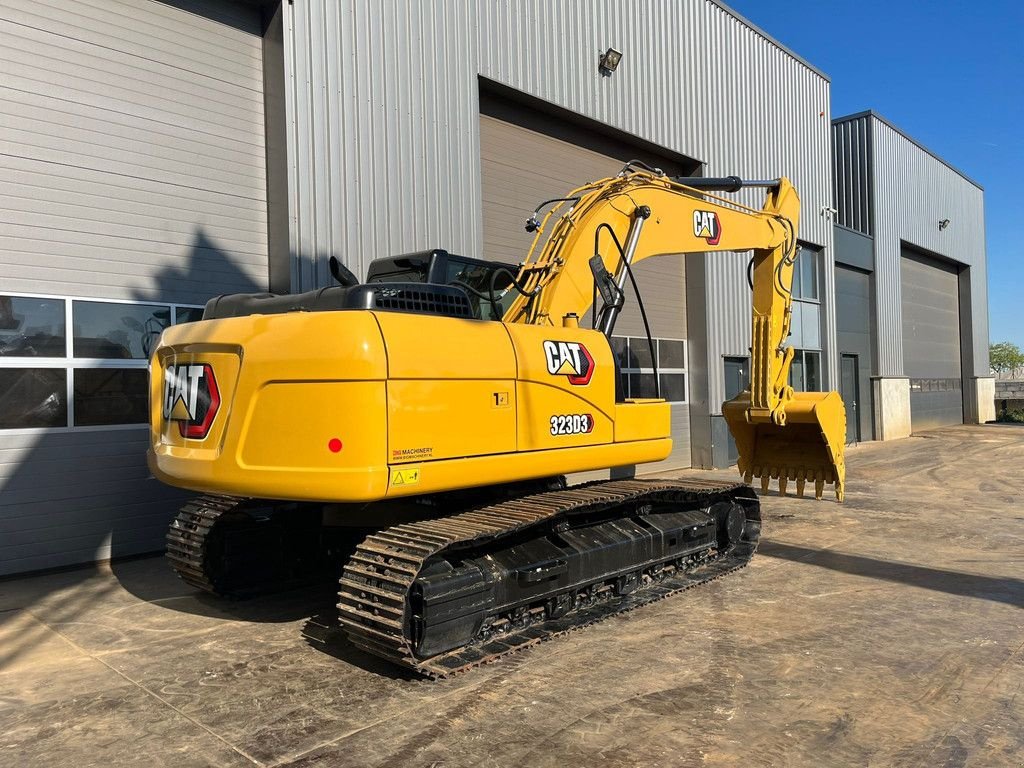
x,y
931,340
133,177
131,147
522,166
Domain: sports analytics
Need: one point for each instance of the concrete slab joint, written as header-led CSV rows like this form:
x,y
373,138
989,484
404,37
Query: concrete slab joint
x,y
892,406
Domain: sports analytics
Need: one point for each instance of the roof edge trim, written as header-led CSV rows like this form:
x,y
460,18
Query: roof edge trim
x,y
756,29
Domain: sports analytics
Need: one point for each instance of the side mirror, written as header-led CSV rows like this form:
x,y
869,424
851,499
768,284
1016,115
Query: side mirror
x,y
342,274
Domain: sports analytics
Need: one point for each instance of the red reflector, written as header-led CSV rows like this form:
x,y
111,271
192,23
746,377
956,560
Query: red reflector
x,y
334,445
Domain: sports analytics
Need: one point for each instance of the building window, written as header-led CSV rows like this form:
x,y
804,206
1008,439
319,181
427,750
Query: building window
x,y
805,327
79,363
805,275
805,373
635,363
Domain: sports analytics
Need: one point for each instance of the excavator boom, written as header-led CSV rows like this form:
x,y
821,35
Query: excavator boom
x,y
641,214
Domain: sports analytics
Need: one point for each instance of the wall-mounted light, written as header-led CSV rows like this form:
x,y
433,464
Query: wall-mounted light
x,y
943,223
609,62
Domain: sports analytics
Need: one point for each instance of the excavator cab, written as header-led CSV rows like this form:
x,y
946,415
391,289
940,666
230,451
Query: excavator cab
x,y
485,282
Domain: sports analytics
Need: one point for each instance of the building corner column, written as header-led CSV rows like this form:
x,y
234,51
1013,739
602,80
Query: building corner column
x,y
980,400
892,406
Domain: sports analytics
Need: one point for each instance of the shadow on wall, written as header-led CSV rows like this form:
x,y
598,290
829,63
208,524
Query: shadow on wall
x,y
75,496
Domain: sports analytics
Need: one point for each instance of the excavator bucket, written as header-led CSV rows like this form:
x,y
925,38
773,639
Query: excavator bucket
x,y
808,448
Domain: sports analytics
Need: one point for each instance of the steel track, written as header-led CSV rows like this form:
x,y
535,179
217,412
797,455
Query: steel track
x,y
376,583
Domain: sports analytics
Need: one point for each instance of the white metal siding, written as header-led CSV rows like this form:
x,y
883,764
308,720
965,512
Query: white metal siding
x,y
132,160
131,147
385,139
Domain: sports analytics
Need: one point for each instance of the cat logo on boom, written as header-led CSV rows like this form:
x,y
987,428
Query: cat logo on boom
x,y
571,359
191,398
707,225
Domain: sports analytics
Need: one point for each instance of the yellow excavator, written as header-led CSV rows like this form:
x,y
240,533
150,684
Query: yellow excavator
x,y
435,409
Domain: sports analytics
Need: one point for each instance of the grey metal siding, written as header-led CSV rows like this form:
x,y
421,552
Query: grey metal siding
x,y
77,497
854,249
131,144
131,149
851,175
913,192
385,138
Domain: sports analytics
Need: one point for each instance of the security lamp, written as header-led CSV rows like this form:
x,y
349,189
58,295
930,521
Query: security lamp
x,y
609,62
943,224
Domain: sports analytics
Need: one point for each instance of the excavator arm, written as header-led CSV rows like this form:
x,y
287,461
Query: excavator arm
x,y
602,229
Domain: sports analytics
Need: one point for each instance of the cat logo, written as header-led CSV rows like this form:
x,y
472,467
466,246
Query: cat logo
x,y
707,225
191,398
571,359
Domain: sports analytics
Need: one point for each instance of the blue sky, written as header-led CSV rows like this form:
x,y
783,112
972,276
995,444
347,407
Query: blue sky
x,y
950,74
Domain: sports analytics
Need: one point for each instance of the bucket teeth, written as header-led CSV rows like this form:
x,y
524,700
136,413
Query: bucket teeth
x,y
787,474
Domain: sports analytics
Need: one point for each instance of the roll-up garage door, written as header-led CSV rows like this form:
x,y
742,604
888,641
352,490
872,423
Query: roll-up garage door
x,y
527,158
931,340
133,177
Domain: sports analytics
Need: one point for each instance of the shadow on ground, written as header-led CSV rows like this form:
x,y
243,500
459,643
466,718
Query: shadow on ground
x,y
1000,590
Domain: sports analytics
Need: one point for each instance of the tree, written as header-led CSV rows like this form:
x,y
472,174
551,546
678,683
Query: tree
x,y
1005,356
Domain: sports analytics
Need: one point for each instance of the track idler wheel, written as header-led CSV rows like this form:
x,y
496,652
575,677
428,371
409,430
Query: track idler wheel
x,y
730,520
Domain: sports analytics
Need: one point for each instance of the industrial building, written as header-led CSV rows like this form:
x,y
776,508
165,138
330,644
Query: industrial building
x,y
158,153
911,286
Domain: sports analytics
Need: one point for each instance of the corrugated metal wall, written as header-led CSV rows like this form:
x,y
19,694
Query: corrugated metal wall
x,y
132,159
851,150
384,131
913,191
131,147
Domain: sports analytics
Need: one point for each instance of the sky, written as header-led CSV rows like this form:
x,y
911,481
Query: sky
x,y
949,74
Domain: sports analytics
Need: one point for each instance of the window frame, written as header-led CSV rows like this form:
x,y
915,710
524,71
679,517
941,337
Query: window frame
x,y
814,253
69,362
801,354
685,370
